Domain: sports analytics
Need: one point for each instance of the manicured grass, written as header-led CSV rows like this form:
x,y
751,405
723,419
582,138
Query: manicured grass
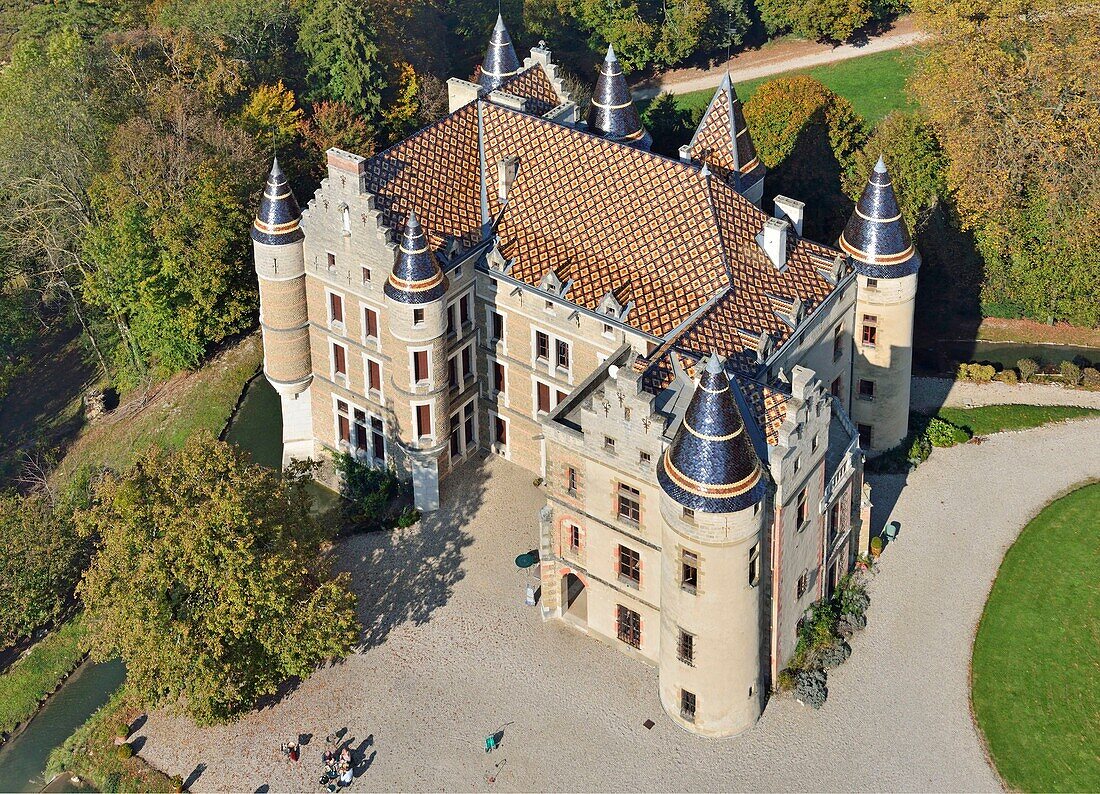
x,y
874,84
37,674
1036,663
186,404
996,418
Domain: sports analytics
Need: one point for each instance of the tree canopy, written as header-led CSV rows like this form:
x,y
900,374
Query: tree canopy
x,y
210,579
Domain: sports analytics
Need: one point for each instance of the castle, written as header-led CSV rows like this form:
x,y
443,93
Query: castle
x,y
693,381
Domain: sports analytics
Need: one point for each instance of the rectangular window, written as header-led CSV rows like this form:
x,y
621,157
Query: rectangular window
x,y
689,514
628,624
609,443
370,322
452,372
574,538
343,422
450,319
685,648
467,362
630,565
687,705
423,420
608,331
366,275
563,354
464,309
418,316
870,329
629,504
559,396
496,326
872,283
498,377
339,360
335,308
360,429
571,480
838,342
420,366
543,397
754,566
834,522
331,261
501,431
866,389
644,458
834,389
803,509
803,584
864,436
374,375
542,345
378,438
469,425
689,571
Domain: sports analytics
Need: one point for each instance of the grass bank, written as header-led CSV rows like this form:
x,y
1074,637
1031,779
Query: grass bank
x,y
92,753
1035,690
874,84
997,418
33,678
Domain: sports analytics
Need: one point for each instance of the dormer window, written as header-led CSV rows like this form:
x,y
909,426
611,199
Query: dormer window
x,y
552,283
611,306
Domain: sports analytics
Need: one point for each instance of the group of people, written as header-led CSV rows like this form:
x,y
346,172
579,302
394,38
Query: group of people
x,y
339,770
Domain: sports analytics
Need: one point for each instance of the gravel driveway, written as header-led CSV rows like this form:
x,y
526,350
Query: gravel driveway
x,y
453,655
929,394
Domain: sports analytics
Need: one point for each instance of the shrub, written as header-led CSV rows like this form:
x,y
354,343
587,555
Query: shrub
x,y
851,596
367,491
809,687
876,546
1090,377
177,783
834,655
122,730
851,624
1028,369
124,751
940,433
1007,376
919,449
785,681
981,373
1071,373
408,517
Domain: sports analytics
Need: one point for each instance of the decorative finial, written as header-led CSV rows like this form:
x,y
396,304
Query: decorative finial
x,y
880,166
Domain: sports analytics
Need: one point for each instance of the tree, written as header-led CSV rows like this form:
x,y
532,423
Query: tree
x,y
832,20
333,124
1011,91
211,581
337,39
668,123
272,117
809,137
403,108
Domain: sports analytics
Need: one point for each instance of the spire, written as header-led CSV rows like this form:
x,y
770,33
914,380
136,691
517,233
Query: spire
x,y
277,221
500,61
876,237
722,140
416,276
711,465
612,113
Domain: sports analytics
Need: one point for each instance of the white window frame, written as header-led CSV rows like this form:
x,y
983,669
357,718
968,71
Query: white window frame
x,y
500,345
338,442
381,391
505,449
459,331
551,367
490,389
467,445
414,405
344,378
340,326
373,342
554,401
428,384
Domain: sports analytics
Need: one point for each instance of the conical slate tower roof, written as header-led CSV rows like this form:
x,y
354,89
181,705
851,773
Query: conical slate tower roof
x,y
876,237
500,61
277,222
711,465
612,113
722,140
416,277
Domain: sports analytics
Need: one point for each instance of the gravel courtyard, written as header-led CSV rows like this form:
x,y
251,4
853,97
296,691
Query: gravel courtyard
x,y
452,654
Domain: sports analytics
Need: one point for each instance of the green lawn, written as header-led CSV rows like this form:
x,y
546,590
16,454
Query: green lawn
x,y
36,675
1036,663
874,84
996,418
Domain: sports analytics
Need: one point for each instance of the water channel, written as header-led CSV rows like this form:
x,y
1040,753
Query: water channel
x,y
944,356
258,429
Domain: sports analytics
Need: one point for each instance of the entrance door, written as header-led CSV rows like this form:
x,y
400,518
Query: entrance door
x,y
574,598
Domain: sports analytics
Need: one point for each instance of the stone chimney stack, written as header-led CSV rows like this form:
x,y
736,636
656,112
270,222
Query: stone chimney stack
x,y
773,239
792,211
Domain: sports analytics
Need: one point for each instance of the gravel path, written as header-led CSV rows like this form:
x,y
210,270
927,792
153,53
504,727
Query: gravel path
x,y
784,56
454,655
928,394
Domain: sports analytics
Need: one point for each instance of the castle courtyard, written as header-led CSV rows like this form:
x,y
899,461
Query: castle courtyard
x,y
451,654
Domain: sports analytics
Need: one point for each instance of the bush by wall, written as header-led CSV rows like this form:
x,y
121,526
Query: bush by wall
x,y
1029,368
1090,378
979,373
1070,372
373,498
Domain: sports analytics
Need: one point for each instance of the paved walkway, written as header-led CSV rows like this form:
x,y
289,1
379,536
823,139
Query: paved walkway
x,y
783,56
928,394
454,655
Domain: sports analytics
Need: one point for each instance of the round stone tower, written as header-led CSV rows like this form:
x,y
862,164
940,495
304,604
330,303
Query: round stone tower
x,y
277,241
417,319
712,486
878,244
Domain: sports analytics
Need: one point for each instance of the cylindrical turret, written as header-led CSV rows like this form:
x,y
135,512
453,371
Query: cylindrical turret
x,y
886,263
712,485
415,293
501,61
612,113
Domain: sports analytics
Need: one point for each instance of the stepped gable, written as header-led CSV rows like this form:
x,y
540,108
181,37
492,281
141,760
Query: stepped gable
x,y
278,218
723,143
533,85
711,465
876,237
435,172
416,275
500,61
610,217
612,113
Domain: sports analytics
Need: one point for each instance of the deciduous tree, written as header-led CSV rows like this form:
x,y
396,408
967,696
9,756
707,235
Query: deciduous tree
x,y
211,581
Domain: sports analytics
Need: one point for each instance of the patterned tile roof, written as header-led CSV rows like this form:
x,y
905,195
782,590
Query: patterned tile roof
x,y
534,85
722,140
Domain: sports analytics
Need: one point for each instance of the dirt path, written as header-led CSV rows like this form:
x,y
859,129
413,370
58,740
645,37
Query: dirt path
x,y
782,56
929,394
451,654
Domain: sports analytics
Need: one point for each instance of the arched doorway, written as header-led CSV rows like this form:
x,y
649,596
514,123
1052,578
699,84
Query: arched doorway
x,y
574,599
